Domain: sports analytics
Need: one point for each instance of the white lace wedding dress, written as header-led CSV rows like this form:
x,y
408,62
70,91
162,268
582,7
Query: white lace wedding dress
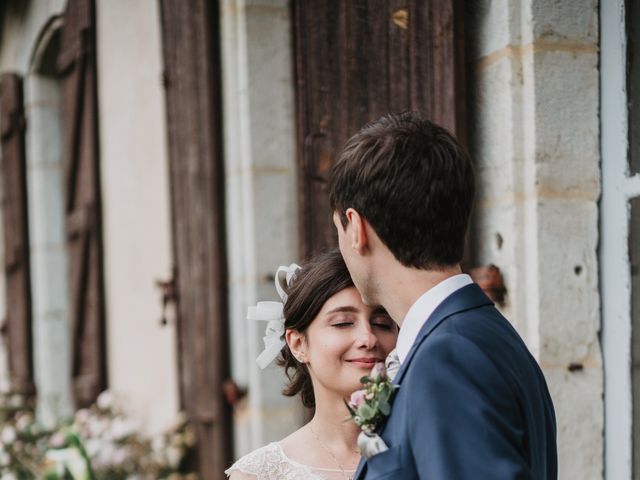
x,y
271,463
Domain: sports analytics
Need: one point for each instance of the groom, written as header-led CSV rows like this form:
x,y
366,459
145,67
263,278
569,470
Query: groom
x,y
472,402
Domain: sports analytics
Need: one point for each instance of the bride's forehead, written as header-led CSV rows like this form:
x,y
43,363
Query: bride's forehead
x,y
348,297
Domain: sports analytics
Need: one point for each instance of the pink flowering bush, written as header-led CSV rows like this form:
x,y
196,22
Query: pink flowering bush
x,y
98,443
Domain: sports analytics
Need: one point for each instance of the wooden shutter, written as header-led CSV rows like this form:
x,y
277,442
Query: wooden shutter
x,y
357,60
77,68
16,234
192,74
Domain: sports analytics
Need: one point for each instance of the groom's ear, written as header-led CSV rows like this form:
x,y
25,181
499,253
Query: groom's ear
x,y
358,235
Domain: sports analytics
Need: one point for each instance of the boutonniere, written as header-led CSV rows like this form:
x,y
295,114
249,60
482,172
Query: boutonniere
x,y
369,407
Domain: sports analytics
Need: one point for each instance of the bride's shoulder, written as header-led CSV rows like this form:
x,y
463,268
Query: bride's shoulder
x,y
256,464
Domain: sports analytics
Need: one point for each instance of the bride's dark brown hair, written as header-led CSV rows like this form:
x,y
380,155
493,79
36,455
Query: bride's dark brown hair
x,y
318,280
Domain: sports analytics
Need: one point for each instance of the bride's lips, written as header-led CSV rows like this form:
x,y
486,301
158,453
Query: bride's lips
x,y
365,362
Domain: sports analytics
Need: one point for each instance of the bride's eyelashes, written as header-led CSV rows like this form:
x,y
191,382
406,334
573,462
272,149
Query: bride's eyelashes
x,y
383,325
342,323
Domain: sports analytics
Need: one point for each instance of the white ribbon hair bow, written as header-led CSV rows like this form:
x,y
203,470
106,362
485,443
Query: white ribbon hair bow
x,y
272,312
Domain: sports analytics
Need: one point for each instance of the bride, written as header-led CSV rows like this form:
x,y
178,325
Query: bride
x,y
326,340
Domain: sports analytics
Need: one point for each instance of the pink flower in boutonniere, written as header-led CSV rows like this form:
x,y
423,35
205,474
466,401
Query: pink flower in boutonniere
x,y
378,372
357,398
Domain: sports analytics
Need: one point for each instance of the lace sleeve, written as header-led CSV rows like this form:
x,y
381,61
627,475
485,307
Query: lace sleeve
x,y
270,463
236,469
258,463
247,465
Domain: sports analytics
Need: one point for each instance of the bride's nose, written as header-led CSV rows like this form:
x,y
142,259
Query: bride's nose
x,y
366,338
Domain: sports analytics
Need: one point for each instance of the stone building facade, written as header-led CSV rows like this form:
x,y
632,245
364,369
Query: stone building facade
x,y
547,93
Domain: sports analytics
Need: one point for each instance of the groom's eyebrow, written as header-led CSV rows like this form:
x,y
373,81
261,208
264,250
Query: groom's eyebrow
x,y
379,311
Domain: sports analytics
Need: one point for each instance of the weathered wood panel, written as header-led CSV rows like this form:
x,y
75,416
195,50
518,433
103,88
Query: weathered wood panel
x,y
16,233
77,69
356,61
192,76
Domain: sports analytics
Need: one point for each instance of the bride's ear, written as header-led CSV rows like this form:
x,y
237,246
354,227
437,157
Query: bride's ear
x,y
297,344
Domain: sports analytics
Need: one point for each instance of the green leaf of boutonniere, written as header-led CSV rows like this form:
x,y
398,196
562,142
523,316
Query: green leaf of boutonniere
x,y
384,407
366,412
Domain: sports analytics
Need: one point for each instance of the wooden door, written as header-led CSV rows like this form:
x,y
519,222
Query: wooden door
x,y
16,234
357,60
192,80
77,68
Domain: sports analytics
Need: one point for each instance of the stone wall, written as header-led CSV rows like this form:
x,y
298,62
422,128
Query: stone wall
x,y
534,125
535,139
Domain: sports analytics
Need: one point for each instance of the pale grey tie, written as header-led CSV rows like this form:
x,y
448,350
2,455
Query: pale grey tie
x,y
392,364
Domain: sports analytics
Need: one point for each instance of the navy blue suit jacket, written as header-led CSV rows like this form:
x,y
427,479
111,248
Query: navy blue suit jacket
x,y
472,402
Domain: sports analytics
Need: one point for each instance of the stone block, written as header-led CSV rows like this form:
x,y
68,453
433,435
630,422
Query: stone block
x,y
268,69
569,307
566,123
275,222
492,115
565,21
46,209
495,241
49,273
577,398
239,326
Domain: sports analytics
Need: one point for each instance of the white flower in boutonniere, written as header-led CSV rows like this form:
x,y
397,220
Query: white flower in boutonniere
x,y
369,407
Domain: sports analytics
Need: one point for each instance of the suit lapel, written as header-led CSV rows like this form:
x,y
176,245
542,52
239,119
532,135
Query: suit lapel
x,y
361,469
466,298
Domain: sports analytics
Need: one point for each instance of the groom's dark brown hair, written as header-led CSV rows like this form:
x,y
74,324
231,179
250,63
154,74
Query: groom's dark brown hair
x,y
413,182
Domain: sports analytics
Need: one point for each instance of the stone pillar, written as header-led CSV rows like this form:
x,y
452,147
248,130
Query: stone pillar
x,y
536,144
259,118
141,352
49,272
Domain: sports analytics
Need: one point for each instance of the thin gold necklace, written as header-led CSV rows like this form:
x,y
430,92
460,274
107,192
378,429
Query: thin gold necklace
x,y
330,452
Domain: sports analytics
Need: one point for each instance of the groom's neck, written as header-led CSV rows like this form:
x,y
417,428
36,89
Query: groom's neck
x,y
403,286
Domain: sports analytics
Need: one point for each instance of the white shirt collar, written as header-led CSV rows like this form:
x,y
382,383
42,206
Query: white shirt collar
x,y
422,309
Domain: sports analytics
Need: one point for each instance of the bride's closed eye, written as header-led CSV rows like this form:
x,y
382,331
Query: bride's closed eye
x,y
341,322
342,325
